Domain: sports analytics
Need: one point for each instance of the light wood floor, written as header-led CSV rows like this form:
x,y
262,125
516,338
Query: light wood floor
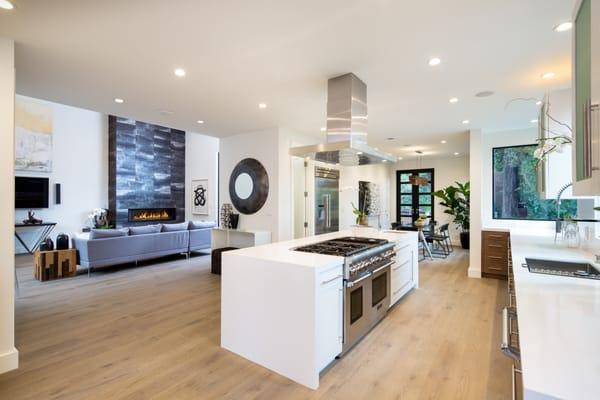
x,y
152,332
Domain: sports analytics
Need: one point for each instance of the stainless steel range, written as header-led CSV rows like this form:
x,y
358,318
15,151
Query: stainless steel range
x,y
367,263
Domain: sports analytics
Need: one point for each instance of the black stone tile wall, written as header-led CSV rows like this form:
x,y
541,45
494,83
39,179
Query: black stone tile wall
x,y
146,168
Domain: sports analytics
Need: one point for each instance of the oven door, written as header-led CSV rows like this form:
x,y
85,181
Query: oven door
x,y
357,307
380,293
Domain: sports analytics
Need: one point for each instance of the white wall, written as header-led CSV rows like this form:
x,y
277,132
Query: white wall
x,y
9,357
264,147
476,177
80,165
349,178
201,153
447,171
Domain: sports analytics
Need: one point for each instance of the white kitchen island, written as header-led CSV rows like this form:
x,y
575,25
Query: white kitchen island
x,y
284,310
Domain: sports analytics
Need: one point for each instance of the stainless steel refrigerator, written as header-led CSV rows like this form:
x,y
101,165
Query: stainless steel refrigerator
x,y
327,200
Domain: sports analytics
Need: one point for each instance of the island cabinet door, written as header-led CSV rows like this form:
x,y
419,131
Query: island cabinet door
x,y
329,316
402,278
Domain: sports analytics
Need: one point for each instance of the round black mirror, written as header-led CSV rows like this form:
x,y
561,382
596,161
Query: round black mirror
x,y
249,186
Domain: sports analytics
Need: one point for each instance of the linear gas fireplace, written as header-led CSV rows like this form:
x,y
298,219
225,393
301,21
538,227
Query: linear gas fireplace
x,y
152,214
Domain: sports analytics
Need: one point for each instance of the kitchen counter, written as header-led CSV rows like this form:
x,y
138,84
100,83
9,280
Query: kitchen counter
x,y
280,251
284,309
559,323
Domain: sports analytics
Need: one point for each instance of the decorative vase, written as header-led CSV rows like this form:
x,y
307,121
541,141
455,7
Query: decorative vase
x,y
363,220
464,240
234,220
420,223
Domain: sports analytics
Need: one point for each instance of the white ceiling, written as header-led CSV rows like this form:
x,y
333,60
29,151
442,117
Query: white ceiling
x,y
239,53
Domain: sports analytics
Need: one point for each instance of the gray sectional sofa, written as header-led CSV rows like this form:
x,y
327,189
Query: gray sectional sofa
x,y
101,248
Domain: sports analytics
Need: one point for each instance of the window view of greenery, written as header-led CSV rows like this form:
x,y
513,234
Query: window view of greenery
x,y
514,187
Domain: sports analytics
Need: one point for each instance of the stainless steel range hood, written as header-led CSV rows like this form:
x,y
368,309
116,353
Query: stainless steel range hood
x,y
346,127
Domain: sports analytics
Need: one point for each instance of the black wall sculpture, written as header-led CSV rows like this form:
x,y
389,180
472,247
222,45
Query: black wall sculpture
x,y
260,186
146,169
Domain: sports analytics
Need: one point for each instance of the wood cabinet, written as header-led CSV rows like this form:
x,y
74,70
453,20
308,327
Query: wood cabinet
x,y
494,254
586,98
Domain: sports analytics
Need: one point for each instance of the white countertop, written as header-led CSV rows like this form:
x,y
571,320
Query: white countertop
x,y
282,251
559,323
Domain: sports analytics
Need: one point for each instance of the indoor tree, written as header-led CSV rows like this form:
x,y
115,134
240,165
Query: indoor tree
x,y
456,199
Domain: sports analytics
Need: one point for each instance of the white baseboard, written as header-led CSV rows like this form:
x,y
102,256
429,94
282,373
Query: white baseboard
x,y
9,361
474,273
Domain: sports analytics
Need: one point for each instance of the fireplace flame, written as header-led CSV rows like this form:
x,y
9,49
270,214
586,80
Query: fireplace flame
x,y
150,215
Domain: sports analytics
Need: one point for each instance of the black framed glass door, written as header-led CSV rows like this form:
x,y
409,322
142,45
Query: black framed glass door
x,y
414,200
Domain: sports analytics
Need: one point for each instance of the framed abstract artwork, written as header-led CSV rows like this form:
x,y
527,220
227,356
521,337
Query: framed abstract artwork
x,y
33,136
200,196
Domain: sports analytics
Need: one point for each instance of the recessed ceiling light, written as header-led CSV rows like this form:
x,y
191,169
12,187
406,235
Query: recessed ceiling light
x,y
457,154
453,100
565,26
323,129
7,5
434,61
534,121
466,122
359,152
200,121
399,158
120,101
443,142
538,103
262,105
383,160
548,75
180,72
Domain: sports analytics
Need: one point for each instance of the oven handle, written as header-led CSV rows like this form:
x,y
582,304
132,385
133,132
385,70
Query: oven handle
x,y
352,283
382,268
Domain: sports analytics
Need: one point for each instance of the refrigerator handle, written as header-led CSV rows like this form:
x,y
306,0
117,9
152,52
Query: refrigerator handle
x,y
327,202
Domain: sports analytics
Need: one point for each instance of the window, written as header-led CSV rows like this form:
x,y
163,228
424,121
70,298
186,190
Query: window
x,y
514,187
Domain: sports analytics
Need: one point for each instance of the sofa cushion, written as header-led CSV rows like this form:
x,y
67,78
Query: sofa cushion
x,y
201,224
107,233
182,226
144,230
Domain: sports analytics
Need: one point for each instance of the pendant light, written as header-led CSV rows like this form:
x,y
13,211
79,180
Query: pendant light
x,y
417,180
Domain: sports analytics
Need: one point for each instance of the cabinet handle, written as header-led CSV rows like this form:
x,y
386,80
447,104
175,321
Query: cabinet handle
x,y
332,279
587,139
515,371
506,346
400,266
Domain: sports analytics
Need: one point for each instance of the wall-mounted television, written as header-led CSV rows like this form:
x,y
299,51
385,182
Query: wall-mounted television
x,y
31,192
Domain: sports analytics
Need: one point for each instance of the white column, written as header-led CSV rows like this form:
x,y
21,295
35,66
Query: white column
x,y
475,176
9,357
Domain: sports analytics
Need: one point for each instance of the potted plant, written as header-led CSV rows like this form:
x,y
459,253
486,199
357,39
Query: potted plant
x,y
456,199
421,221
362,216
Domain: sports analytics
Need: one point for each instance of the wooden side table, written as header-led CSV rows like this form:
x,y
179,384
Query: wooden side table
x,y
55,264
